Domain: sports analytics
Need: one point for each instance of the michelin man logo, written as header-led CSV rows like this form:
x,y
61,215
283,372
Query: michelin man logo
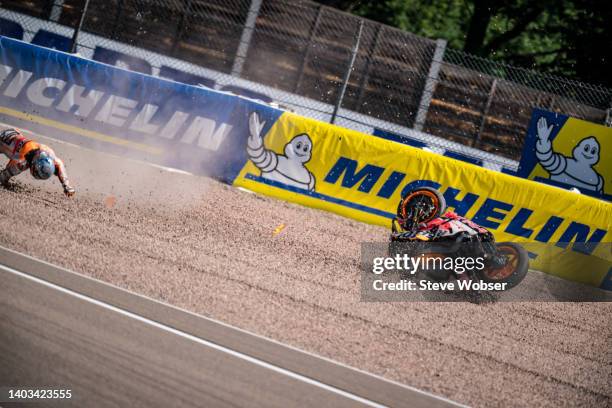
x,y
288,168
576,170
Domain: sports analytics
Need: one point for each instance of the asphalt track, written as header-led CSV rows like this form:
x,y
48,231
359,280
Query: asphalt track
x,y
115,348
211,249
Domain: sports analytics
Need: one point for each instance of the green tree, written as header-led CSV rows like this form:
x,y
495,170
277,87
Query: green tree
x,y
567,37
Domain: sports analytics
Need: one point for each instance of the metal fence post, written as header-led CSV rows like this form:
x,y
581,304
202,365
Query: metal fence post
x,y
347,74
245,38
56,10
371,55
180,26
608,120
485,111
430,84
77,30
117,19
313,32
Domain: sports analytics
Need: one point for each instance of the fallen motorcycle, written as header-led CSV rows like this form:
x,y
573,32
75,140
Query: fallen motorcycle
x,y
423,227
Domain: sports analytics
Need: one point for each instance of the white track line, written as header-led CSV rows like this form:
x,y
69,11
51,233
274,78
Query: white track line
x,y
195,339
246,332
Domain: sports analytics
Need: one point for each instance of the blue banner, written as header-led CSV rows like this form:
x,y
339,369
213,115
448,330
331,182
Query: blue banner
x,y
567,152
110,109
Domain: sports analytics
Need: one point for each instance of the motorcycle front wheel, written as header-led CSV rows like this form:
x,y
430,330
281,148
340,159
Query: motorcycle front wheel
x,y
427,202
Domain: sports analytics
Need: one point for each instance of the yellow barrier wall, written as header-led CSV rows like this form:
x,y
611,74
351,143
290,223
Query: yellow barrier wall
x,y
362,177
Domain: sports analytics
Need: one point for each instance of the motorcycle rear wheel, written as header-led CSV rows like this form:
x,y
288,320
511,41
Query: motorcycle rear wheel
x,y
515,269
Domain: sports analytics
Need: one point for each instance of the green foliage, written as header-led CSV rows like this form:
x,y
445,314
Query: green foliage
x,y
567,37
431,18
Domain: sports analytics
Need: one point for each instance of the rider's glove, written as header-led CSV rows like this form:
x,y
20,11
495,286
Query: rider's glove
x,y
69,191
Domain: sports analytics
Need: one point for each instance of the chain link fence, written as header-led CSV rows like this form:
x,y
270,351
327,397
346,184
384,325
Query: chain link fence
x,y
317,59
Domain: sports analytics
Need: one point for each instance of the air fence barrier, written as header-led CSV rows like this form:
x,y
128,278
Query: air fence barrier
x,y
281,154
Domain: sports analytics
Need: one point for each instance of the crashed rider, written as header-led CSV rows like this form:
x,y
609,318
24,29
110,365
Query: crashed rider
x,y
26,154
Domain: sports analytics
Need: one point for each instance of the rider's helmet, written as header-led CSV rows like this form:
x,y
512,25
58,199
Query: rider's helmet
x,y
42,166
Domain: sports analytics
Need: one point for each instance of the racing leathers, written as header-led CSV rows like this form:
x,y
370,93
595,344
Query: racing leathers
x,y
20,152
